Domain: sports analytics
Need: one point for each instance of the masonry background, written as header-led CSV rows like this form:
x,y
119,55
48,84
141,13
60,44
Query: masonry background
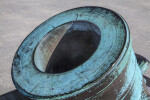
x,y
19,17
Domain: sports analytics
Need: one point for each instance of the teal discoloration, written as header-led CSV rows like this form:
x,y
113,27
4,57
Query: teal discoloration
x,y
115,71
105,65
144,66
137,87
128,75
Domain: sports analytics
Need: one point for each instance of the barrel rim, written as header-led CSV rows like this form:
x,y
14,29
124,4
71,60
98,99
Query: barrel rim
x,y
114,65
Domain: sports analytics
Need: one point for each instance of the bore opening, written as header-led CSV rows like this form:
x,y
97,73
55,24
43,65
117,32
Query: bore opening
x,y
66,47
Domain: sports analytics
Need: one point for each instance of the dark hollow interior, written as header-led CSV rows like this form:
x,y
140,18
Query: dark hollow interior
x,y
76,46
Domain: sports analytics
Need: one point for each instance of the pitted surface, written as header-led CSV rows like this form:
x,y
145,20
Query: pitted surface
x,y
113,39
19,18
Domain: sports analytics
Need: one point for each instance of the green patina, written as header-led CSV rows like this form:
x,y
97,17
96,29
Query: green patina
x,y
113,53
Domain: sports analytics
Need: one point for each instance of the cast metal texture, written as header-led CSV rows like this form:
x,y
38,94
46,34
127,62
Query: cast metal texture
x,y
111,72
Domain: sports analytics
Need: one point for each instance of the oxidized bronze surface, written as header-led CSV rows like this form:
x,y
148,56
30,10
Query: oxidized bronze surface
x,y
82,53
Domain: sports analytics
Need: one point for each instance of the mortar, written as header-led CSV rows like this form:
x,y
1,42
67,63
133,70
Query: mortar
x,y
82,53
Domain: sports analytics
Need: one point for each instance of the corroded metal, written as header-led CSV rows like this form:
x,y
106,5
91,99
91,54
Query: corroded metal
x,y
82,53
